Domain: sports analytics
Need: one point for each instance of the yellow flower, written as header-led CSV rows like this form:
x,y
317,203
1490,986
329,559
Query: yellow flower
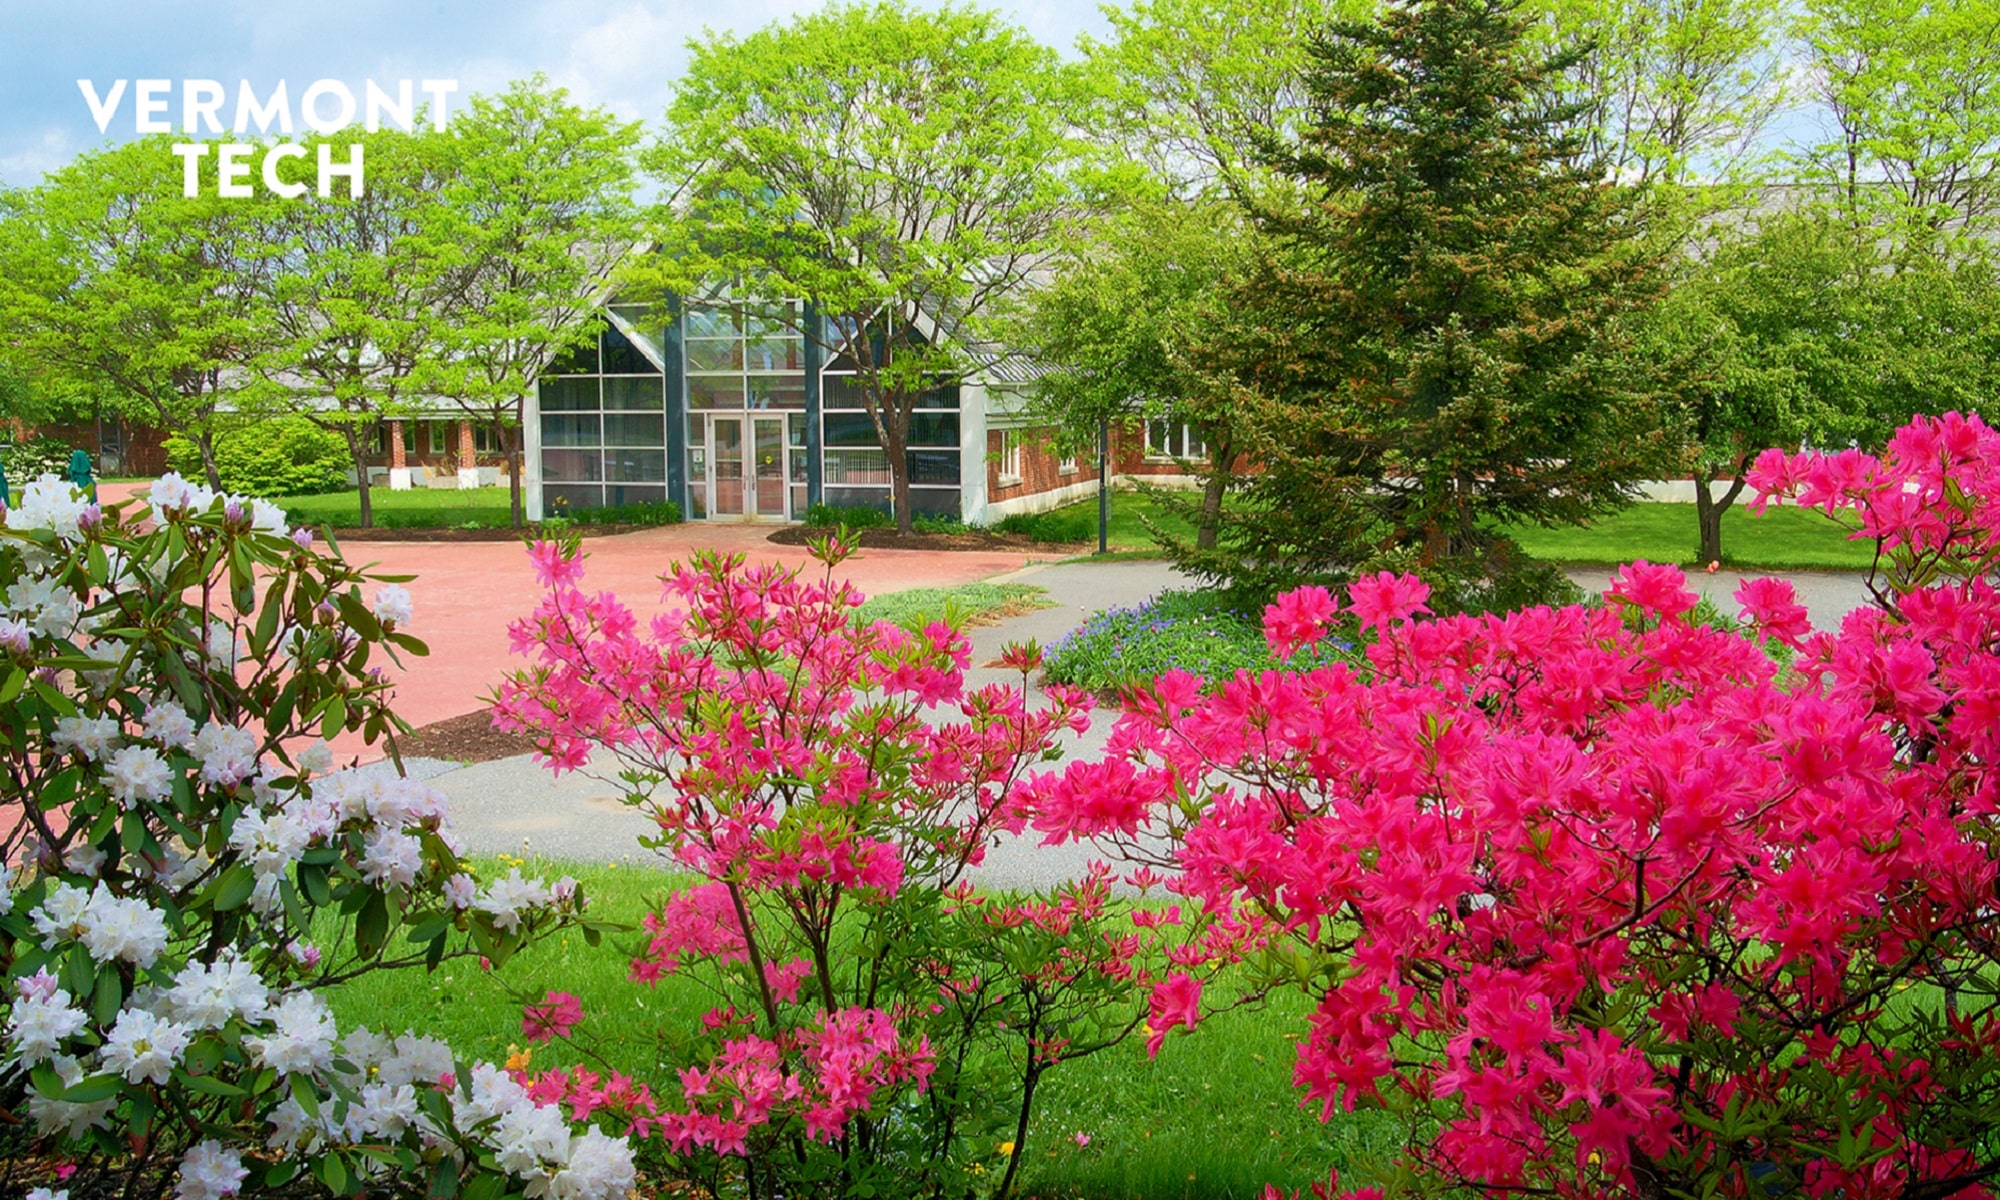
x,y
517,1058
1006,1148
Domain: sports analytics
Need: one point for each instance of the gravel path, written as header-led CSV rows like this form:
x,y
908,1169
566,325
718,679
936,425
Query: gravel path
x,y
511,805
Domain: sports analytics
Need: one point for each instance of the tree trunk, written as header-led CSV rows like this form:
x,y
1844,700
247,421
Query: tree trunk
x,y
1213,490
897,443
1708,510
205,444
510,443
357,448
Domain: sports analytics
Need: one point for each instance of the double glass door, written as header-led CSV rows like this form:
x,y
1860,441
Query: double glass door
x,y
739,465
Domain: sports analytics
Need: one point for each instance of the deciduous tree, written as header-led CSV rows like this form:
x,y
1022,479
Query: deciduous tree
x,y
900,170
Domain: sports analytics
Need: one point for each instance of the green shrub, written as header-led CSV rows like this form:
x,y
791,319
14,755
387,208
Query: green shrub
x,y
1205,632
829,516
289,456
1060,525
935,524
645,512
34,458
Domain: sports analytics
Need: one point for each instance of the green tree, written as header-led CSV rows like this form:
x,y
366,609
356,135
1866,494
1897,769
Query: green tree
x,y
900,170
1191,90
1805,330
1672,91
366,291
1436,346
1116,327
110,276
1912,90
542,200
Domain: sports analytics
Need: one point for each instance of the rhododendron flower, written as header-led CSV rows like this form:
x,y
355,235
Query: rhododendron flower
x,y
558,1013
1176,1001
1660,590
1296,619
1383,599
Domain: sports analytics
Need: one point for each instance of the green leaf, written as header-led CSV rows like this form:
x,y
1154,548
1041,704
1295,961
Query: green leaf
x,y
93,1089
332,1172
235,887
211,1086
371,926
302,1092
110,996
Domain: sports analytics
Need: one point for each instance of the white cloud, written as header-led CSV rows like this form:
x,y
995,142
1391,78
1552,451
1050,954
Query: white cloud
x,y
29,158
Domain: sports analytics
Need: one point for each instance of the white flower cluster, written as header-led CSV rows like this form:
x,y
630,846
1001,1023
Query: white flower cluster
x,y
108,925
52,503
393,606
533,1142
39,604
171,494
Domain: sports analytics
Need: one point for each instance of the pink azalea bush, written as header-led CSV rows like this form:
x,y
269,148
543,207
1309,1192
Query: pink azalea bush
x,y
1601,899
183,877
829,784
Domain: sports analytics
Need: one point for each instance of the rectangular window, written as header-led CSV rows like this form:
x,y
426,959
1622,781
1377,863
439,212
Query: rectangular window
x,y
1010,457
1167,439
857,466
1067,464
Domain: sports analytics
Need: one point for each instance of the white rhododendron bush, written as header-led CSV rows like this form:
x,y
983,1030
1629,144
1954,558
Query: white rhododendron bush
x,y
182,877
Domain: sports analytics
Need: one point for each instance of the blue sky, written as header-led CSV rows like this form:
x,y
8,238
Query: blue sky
x,y
619,53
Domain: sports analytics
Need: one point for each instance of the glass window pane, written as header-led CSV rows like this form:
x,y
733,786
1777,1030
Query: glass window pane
x,y
766,320
941,397
704,322
572,466
795,429
714,356
625,493
857,466
776,354
860,497
560,498
697,431
577,360
849,429
777,391
635,466
566,395
839,391
645,394
562,430
635,429
715,391
933,466
933,429
934,502
621,357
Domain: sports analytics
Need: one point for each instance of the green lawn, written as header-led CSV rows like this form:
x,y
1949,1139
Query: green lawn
x,y
973,603
418,508
1784,538
1214,1117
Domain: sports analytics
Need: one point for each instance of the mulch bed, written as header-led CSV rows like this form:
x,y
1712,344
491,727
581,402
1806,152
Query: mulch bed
x,y
467,739
970,539
383,533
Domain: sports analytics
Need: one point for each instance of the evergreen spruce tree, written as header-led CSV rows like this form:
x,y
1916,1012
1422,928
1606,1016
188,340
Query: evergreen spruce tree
x,y
1436,346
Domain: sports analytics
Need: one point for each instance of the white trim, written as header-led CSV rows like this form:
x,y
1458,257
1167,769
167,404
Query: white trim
x,y
972,412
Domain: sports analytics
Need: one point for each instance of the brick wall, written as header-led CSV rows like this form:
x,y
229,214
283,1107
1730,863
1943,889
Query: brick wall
x,y
1041,466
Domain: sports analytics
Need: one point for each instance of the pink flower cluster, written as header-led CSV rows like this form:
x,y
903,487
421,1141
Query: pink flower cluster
x,y
1566,863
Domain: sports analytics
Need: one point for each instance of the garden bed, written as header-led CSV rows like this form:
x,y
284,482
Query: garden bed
x,y
962,539
403,533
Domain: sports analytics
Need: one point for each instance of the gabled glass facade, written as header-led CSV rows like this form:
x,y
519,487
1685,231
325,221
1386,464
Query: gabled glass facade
x,y
732,413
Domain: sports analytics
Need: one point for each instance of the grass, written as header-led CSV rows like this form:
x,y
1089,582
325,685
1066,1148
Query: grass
x,y
1784,538
974,603
417,508
1214,1117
